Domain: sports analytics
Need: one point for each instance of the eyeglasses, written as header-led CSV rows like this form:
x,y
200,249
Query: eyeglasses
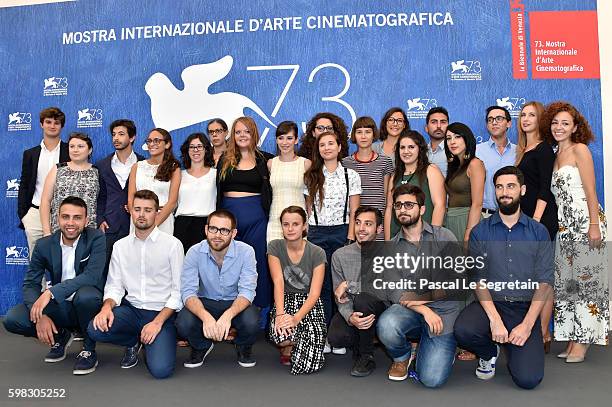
x,y
197,147
322,128
154,141
215,132
496,119
214,230
393,120
406,205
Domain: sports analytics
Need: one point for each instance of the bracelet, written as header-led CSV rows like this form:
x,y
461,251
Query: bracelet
x,y
594,223
278,315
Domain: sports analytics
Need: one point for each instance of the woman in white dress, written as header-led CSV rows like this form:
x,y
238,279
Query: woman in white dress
x,y
286,177
581,275
160,173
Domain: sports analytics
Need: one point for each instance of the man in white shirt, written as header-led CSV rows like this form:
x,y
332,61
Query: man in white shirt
x,y
73,260
114,170
146,268
35,165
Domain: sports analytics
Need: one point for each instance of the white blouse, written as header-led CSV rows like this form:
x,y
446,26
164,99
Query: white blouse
x,y
197,196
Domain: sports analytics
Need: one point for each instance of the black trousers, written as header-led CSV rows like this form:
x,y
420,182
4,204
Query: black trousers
x,y
342,335
189,230
525,363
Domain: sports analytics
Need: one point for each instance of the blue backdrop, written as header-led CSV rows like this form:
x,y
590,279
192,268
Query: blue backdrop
x,y
176,64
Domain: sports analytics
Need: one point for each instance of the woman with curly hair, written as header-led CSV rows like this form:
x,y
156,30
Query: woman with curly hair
x,y
391,126
319,124
198,190
413,167
160,173
243,188
535,158
581,276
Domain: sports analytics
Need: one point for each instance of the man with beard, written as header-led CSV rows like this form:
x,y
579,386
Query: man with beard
x,y
73,257
142,292
218,286
354,325
426,316
517,250
436,123
114,171
495,153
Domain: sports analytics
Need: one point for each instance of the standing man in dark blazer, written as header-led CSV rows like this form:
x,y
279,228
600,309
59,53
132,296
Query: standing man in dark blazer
x,y
114,170
73,260
36,163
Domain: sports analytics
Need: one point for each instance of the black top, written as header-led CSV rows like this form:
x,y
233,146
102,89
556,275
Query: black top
x,y
537,166
242,181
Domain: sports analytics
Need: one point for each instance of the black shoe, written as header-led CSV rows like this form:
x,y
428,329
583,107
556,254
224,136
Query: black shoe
x,y
57,353
363,366
130,357
86,362
196,359
245,355
77,336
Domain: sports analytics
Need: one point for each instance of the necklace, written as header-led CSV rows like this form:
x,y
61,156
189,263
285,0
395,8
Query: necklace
x,y
367,161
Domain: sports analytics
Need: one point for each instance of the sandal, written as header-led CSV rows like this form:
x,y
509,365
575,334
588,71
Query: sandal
x,y
465,355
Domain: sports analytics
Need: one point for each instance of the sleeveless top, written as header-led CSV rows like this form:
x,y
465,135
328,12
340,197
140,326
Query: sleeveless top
x,y
145,179
459,190
287,180
84,184
239,180
413,179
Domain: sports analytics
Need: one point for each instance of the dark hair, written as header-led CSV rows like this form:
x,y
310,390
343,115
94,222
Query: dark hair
x,y
169,163
583,133
495,107
294,209
74,200
314,178
208,151
285,128
147,195
364,122
434,110
222,213
409,189
422,159
370,209
510,170
219,121
383,122
84,137
128,124
454,163
53,113
307,146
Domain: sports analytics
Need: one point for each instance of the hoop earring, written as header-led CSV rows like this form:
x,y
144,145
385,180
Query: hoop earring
x,y
466,156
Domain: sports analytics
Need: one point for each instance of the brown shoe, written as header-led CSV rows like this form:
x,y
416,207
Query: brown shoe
x,y
399,370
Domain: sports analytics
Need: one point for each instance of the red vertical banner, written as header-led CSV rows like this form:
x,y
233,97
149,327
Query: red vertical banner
x,y
519,42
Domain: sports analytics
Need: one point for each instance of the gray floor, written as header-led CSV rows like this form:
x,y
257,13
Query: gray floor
x,y
222,382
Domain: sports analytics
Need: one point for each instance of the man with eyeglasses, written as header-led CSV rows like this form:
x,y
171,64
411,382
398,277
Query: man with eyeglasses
x,y
422,314
519,276
142,292
114,171
495,153
436,123
217,287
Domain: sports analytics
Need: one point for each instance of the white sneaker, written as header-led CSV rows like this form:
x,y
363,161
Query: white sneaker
x,y
338,351
327,348
486,368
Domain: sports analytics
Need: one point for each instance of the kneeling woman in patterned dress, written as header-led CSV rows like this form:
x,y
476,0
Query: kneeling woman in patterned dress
x,y
297,268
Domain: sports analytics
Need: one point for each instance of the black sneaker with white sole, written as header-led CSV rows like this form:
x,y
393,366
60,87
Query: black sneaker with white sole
x,y
57,353
196,359
130,357
245,355
86,362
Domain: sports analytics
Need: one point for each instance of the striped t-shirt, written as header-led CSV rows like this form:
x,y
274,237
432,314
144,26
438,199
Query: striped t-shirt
x,y
372,176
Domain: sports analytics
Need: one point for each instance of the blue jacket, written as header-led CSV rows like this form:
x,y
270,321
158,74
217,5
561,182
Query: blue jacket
x,y
89,260
112,199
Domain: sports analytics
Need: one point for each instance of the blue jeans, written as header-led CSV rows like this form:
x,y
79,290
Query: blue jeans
x,y
436,354
127,325
77,313
246,323
330,239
